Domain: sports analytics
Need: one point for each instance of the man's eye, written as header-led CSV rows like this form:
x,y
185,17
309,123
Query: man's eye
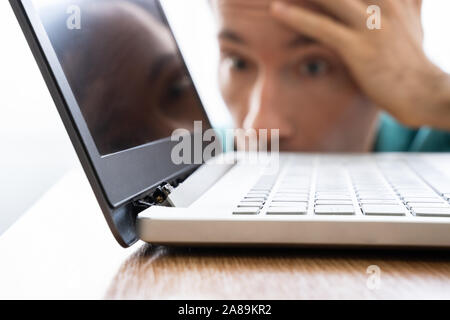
x,y
237,63
314,68
178,88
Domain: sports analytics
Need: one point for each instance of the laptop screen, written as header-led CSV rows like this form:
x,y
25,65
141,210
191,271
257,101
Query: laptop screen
x,y
124,69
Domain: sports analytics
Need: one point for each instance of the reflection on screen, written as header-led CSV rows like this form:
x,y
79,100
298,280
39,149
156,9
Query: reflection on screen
x,y
124,69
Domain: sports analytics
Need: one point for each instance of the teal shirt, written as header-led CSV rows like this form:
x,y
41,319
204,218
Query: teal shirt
x,y
393,137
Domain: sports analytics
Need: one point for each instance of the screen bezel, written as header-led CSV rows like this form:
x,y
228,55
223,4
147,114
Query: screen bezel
x,y
127,174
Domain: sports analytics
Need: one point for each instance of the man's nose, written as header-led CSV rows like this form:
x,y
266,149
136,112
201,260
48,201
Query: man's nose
x,y
265,110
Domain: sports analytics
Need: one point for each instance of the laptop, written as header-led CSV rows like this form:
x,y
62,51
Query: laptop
x,y
123,91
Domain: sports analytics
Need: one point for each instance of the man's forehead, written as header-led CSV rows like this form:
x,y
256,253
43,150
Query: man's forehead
x,y
249,21
230,11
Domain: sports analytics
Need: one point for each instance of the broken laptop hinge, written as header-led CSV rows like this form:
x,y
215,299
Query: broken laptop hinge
x,y
157,198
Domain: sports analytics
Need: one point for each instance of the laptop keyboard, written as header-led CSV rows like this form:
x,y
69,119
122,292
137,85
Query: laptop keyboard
x,y
348,187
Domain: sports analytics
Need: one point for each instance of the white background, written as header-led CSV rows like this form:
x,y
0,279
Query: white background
x,y
34,148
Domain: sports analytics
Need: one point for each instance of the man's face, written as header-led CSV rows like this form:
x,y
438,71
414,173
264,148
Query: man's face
x,y
274,78
137,90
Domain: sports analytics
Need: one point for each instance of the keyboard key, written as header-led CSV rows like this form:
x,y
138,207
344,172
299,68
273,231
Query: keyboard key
x,y
423,200
416,191
432,212
262,193
332,197
250,204
259,193
294,186
247,210
417,195
253,196
428,205
378,198
375,189
295,191
336,202
261,189
288,204
384,210
285,194
376,193
286,210
290,199
253,199
334,210
384,202
332,193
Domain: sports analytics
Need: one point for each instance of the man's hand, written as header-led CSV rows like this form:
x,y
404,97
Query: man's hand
x,y
389,65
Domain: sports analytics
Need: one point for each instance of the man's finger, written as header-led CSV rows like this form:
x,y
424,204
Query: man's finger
x,y
351,12
317,26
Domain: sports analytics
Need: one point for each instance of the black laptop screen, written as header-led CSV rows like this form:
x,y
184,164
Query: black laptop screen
x,y
124,69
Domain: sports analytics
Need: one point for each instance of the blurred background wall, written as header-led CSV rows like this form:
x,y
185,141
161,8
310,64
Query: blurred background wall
x,y
34,148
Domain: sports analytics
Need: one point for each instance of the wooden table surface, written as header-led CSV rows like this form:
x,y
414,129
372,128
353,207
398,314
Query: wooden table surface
x,y
66,251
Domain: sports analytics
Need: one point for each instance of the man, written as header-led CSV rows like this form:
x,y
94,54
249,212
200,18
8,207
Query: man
x,y
315,71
